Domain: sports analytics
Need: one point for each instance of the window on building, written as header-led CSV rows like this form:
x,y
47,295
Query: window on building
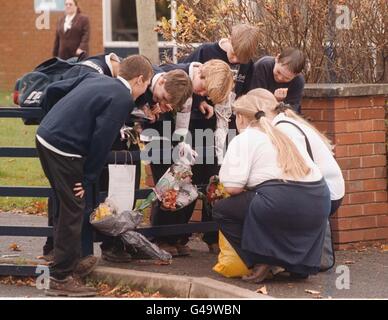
x,y
121,23
49,5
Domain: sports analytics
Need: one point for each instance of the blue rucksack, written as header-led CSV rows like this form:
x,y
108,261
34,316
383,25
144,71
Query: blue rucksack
x,y
30,88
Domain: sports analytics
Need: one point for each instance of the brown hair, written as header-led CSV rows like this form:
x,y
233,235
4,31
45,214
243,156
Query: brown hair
x,y
178,86
76,4
289,159
294,59
135,66
245,41
218,80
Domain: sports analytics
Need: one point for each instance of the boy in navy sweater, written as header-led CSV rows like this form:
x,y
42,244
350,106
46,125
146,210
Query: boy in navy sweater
x,y
281,75
73,141
238,49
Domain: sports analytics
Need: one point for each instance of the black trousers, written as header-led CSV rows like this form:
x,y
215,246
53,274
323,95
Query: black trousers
x,y
108,242
63,173
230,214
201,175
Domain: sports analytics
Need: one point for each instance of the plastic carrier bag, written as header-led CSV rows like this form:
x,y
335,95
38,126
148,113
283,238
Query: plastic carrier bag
x,y
229,263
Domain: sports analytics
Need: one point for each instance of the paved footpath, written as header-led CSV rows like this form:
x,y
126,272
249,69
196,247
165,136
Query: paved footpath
x,y
368,269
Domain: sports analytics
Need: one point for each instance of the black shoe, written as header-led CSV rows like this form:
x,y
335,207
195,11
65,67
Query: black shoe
x,y
298,276
114,255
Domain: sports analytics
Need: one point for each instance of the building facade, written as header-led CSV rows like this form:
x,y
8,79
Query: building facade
x,y
27,33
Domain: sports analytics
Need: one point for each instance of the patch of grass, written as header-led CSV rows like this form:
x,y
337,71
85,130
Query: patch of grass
x,y
6,99
25,171
19,171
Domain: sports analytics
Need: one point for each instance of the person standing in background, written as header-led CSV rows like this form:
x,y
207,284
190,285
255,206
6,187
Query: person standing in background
x,y
72,35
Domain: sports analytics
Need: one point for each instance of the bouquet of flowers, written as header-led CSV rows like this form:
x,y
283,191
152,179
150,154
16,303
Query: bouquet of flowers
x,y
215,190
109,221
174,189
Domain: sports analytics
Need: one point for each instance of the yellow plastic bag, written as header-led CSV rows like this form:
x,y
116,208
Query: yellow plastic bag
x,y
229,263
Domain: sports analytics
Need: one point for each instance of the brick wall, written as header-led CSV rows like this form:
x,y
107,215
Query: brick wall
x,y
354,118
23,46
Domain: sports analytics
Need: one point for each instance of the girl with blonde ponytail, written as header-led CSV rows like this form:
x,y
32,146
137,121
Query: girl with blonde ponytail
x,y
308,139
280,202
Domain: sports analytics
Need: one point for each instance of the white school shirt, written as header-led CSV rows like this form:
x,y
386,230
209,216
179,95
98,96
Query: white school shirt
x,y
251,159
321,153
108,60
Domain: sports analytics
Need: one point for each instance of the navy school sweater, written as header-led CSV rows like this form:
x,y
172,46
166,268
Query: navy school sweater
x,y
86,118
262,77
95,64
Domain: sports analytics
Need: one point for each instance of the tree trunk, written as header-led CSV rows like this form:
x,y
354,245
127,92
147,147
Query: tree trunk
x,y
146,22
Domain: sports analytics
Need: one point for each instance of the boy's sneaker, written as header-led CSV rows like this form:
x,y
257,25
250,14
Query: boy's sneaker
x,y
86,266
183,250
116,255
69,287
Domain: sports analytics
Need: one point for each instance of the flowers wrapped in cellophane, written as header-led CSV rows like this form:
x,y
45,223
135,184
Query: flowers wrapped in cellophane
x,y
174,190
109,221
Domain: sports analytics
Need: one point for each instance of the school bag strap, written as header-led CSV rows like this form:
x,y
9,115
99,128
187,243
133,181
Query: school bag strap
x,y
308,146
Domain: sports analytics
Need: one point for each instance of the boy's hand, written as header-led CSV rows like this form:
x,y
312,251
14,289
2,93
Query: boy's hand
x,y
280,94
206,109
150,114
79,52
79,190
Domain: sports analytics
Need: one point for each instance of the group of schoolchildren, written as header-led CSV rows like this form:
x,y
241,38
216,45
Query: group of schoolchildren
x,y
279,170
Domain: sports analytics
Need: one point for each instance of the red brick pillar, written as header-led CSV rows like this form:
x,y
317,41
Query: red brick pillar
x,y
353,116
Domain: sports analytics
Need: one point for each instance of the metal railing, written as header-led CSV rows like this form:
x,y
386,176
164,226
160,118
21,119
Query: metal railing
x,y
89,235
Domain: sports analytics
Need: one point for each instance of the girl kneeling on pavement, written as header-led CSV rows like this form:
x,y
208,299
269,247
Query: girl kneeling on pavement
x,y
279,204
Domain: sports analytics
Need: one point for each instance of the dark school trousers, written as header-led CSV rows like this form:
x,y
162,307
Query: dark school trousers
x,y
63,173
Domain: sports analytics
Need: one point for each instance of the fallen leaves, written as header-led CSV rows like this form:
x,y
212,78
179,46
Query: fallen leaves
x,y
162,262
122,291
349,262
384,247
18,281
14,247
316,294
262,290
37,208
313,292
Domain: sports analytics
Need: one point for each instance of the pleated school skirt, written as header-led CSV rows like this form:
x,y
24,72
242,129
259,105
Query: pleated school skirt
x,y
285,225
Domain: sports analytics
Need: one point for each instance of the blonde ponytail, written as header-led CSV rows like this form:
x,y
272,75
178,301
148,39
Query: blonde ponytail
x,y
289,158
270,105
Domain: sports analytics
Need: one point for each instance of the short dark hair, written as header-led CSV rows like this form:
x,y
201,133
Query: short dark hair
x,y
134,66
178,86
294,59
